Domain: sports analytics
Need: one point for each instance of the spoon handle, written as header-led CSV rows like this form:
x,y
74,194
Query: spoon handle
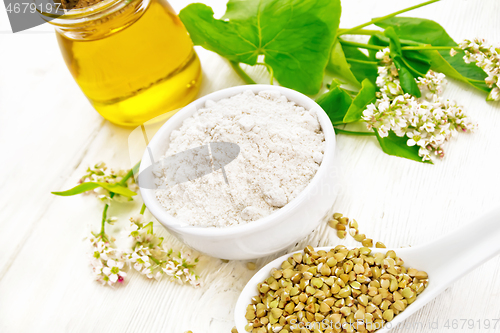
x,y
459,252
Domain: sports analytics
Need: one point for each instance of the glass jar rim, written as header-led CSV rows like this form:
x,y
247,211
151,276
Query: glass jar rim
x,y
90,13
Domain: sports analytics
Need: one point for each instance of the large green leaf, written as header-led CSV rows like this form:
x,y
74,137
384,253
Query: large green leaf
x,y
88,186
335,102
365,96
429,32
294,36
396,146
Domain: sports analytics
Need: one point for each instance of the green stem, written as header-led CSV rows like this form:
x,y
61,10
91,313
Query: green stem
x,y
373,21
155,260
143,208
270,69
341,131
103,223
352,92
362,61
129,174
362,45
477,81
406,48
241,72
360,32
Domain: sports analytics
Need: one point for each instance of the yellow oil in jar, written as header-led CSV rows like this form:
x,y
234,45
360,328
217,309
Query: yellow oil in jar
x,y
134,67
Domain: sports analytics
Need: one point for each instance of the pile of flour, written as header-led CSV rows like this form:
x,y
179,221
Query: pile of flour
x,y
281,148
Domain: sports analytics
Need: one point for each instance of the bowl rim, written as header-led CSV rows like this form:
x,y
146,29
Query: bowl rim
x,y
177,225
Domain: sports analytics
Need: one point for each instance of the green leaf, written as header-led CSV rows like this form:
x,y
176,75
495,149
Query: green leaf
x,y
88,186
394,43
339,66
335,102
360,64
294,36
429,32
396,146
406,78
406,74
365,96
418,62
439,64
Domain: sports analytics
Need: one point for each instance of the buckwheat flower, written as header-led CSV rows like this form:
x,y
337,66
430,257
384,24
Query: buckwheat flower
x,y
495,94
139,261
100,173
104,259
153,259
415,138
387,79
432,85
424,153
170,268
113,271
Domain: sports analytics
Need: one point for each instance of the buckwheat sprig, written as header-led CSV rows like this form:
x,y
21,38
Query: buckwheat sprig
x,y
106,260
487,57
427,122
152,258
100,173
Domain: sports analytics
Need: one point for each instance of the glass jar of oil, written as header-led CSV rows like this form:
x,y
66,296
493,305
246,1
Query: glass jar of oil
x,y
133,59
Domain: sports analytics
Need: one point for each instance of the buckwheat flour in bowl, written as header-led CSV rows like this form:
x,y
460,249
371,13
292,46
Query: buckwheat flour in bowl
x,y
281,147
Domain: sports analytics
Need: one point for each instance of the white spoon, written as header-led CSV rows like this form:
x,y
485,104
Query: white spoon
x,y
445,260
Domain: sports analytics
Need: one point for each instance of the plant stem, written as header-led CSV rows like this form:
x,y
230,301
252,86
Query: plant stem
x,y
373,21
111,195
360,32
103,223
406,48
130,173
241,72
341,131
143,208
362,61
270,69
361,45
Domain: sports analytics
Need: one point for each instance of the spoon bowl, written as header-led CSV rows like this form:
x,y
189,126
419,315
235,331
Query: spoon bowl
x,y
445,260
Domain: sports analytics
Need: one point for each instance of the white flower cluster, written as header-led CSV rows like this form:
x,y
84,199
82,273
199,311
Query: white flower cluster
x,y
487,57
100,173
147,256
153,260
427,122
107,261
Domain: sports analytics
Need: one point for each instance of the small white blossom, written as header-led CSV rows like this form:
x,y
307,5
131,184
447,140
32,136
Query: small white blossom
x,y
152,259
113,270
106,260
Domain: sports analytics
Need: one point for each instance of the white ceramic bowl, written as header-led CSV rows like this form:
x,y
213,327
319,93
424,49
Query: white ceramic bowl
x,y
265,236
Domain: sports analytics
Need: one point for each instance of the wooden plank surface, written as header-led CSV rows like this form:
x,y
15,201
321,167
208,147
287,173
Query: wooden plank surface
x,y
49,134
